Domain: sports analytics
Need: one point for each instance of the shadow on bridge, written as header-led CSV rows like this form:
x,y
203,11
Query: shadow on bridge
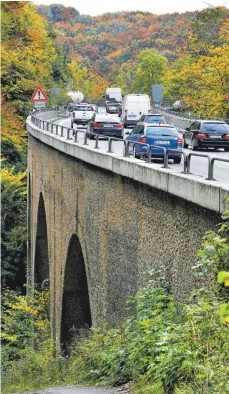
x,y
41,269
76,314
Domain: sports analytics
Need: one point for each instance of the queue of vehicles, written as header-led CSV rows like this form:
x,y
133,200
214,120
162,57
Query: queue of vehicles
x,y
149,128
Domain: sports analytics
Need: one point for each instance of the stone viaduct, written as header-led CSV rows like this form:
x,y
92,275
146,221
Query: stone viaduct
x,y
98,222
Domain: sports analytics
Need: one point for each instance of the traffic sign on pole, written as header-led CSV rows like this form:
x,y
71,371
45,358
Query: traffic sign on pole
x,y
39,95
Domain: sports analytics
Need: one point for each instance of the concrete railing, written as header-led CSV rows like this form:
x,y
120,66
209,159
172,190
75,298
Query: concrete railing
x,y
201,192
50,126
178,121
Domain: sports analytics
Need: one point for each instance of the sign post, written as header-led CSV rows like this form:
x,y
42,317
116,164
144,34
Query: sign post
x,y
39,98
157,93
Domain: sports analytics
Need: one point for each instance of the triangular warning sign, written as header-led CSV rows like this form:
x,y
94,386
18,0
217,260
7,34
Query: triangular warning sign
x,y
39,95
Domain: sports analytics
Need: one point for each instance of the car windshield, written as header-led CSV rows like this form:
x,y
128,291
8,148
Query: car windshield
x,y
154,118
71,107
83,108
162,131
215,127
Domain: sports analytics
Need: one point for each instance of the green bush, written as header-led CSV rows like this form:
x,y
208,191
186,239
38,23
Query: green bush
x,y
165,346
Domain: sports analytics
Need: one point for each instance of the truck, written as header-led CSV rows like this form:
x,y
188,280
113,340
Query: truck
x,y
81,114
76,97
113,95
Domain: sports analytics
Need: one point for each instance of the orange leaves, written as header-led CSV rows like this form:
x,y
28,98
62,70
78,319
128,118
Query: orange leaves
x,y
34,35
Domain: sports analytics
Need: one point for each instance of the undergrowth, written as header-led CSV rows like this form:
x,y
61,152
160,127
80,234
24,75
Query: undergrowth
x,y
165,347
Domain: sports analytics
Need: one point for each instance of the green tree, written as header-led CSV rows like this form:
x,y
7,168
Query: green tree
x,y
126,77
14,232
150,70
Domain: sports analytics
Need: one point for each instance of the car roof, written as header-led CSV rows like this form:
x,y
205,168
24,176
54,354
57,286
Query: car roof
x,y
106,118
153,114
160,125
211,121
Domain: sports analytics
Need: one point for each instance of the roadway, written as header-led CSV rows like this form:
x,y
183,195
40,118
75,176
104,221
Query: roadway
x,y
79,390
199,165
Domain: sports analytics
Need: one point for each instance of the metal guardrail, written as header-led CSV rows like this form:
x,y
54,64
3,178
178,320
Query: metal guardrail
x,y
211,166
211,161
57,129
185,115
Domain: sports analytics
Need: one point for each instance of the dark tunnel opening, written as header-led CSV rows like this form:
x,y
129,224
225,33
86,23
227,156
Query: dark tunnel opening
x,y
76,314
41,269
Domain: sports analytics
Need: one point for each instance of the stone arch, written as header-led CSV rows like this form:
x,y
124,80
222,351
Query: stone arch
x,y
76,313
41,265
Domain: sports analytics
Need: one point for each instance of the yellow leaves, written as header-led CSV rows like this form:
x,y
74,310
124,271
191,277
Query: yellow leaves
x,y
9,338
224,314
223,277
88,82
9,179
13,128
25,308
27,50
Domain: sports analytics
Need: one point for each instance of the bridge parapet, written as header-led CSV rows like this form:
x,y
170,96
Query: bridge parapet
x,y
206,193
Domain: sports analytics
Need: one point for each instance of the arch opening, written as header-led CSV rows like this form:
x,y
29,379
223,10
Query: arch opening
x,y
76,313
41,268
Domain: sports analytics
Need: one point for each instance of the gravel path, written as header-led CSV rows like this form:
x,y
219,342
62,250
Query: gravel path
x,y
79,390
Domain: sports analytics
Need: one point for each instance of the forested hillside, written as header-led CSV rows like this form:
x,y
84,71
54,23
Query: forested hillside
x,y
107,41
115,49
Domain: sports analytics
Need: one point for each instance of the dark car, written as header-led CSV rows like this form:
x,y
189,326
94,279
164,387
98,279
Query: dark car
x,y
152,118
207,134
120,111
164,135
112,108
105,125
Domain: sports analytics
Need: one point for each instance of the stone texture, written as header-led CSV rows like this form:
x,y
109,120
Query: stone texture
x,y
124,228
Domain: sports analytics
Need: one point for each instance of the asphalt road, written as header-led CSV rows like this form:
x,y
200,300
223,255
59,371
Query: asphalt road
x,y
77,390
199,165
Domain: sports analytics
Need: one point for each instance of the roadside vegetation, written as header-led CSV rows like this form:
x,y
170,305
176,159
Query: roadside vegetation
x,y
165,346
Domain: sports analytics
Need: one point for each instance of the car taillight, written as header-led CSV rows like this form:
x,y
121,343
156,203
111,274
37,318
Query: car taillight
x,y
227,137
149,111
126,111
143,139
96,125
119,125
179,141
200,136
164,122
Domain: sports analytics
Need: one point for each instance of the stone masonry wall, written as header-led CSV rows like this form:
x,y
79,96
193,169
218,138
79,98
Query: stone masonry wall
x,y
125,228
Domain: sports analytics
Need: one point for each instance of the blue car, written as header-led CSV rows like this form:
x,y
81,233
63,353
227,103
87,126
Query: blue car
x,y
163,135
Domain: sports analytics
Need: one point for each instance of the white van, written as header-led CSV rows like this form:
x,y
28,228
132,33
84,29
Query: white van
x,y
134,105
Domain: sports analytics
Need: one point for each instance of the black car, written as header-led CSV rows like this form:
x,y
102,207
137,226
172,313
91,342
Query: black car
x,y
207,134
105,125
112,108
